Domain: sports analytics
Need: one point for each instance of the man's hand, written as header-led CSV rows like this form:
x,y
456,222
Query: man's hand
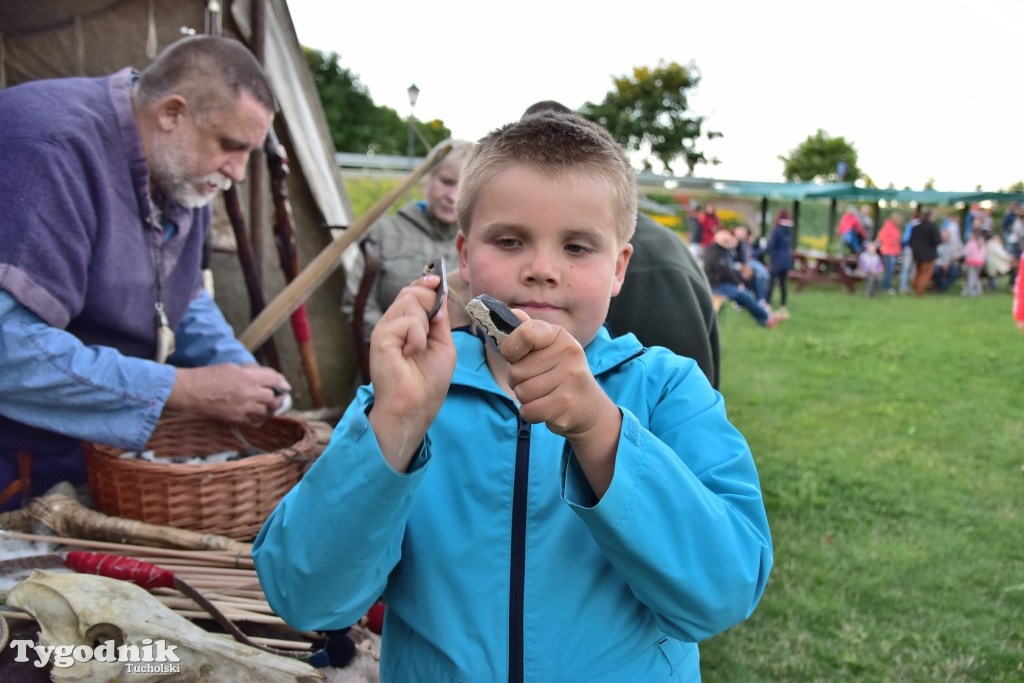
x,y
549,374
233,393
412,360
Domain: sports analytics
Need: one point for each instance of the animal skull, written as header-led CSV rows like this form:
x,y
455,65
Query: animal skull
x,y
89,610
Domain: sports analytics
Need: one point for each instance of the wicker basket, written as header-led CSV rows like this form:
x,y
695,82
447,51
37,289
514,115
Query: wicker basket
x,y
231,499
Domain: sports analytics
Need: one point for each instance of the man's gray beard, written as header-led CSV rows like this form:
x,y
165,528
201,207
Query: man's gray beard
x,y
183,191
171,179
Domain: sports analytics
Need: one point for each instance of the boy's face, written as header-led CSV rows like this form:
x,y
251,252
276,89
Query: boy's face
x,y
546,245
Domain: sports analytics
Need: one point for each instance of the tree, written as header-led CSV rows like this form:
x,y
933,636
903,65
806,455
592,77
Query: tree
x,y
356,123
821,158
648,114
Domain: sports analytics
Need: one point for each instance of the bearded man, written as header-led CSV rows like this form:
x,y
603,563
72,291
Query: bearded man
x,y
104,210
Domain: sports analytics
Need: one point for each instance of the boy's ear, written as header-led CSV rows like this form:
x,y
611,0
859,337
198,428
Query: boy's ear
x,y
460,245
621,262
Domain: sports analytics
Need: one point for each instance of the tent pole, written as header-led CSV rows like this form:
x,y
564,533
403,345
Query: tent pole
x,y
257,159
796,223
831,222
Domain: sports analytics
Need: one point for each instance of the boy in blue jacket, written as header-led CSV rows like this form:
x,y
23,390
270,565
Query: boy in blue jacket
x,y
569,507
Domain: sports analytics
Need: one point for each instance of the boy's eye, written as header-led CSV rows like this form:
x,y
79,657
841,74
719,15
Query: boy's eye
x,y
507,242
577,249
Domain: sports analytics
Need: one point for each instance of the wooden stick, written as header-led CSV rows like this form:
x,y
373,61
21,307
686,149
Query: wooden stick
x,y
23,616
182,569
225,606
220,556
276,642
195,614
325,263
234,615
60,511
184,602
242,593
251,270
244,565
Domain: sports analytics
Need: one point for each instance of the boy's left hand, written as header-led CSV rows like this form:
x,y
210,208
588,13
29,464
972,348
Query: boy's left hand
x,y
549,374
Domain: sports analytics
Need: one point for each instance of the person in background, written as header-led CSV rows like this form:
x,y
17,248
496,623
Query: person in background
x,y
780,260
564,506
951,226
695,232
998,261
1018,303
422,232
890,244
924,243
104,212
663,270
1012,226
867,221
947,269
724,275
907,258
978,216
666,300
1006,222
869,263
756,277
972,211
710,223
975,252
851,230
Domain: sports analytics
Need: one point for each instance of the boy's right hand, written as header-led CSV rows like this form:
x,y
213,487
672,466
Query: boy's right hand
x,y
412,360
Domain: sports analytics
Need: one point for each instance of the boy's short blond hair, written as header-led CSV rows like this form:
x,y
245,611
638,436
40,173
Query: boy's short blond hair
x,y
554,144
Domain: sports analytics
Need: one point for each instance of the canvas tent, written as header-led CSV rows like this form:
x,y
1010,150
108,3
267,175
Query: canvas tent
x,y
59,38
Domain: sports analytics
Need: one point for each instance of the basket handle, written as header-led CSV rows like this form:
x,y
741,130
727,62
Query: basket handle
x,y
294,454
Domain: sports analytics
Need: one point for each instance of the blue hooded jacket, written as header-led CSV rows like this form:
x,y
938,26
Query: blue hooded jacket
x,y
493,556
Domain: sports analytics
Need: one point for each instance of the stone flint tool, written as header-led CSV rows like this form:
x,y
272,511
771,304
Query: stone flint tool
x,y
497,319
437,268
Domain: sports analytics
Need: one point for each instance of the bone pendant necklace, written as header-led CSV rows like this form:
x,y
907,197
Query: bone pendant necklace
x,y
164,333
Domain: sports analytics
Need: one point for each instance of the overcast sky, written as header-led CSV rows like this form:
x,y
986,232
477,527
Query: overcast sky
x,y
921,89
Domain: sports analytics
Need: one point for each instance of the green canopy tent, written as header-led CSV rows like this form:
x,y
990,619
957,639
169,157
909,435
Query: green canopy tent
x,y
797,192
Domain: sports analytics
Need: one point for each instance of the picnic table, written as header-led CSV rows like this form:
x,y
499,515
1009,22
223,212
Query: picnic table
x,y
812,266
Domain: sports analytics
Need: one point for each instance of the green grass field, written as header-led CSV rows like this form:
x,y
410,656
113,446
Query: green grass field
x,y
889,438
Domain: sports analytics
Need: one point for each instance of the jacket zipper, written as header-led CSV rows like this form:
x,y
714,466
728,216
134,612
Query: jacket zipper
x,y
517,570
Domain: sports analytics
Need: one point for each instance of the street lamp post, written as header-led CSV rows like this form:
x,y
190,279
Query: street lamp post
x,y
413,94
